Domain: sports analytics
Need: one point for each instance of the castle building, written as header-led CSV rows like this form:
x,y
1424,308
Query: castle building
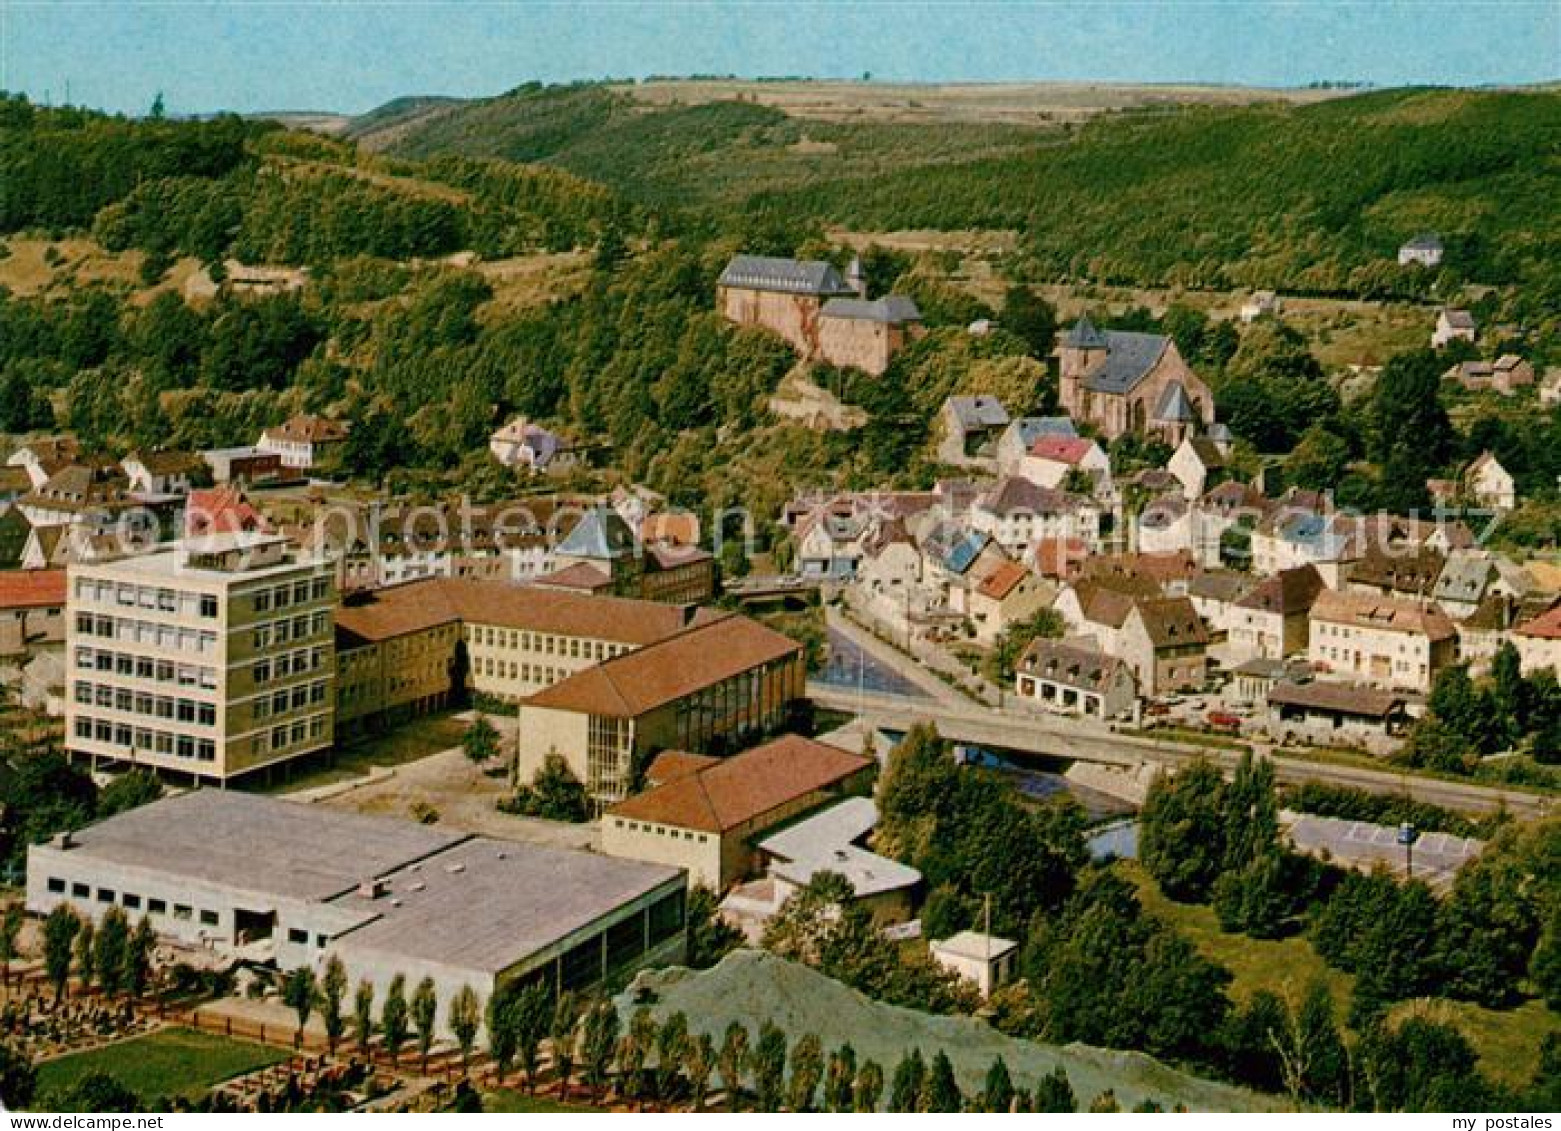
x,y
1129,382
824,315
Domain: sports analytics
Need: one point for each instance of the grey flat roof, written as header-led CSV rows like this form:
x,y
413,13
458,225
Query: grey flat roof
x,y
258,844
1129,358
489,904
825,842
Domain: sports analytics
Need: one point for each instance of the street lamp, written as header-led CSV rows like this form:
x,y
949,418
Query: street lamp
x,y
1407,835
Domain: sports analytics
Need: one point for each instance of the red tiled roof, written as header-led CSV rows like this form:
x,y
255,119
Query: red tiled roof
x,y
582,577
32,589
221,510
1547,626
1062,449
416,606
702,655
739,789
1001,580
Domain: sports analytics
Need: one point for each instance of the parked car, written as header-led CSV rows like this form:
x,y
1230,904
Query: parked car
x,y
1224,720
1154,708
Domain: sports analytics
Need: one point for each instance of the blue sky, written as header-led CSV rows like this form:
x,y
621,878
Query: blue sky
x,y
351,55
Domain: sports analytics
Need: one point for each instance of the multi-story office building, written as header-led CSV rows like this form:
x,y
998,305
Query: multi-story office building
x,y
213,657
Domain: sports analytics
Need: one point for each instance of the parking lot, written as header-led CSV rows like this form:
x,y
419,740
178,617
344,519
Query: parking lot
x,y
1436,856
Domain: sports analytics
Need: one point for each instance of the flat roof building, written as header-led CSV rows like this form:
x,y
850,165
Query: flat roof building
x,y
296,884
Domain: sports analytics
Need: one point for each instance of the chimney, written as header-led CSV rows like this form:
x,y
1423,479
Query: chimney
x,y
371,888
65,840
854,277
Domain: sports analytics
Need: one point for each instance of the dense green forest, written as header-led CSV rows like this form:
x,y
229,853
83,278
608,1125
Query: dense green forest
x,y
1311,198
426,360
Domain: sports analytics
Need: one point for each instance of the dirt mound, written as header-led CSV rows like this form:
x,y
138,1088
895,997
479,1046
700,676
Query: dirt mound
x,y
751,986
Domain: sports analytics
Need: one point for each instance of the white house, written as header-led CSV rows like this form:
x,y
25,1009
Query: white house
x,y
1424,250
305,441
1453,325
525,445
1196,463
1051,459
1489,484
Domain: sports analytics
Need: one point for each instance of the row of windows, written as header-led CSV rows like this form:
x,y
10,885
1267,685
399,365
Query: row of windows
x,y
546,643
144,667
298,628
660,830
1346,632
149,633
294,593
163,600
294,698
509,669
301,937
293,663
282,737
130,901
145,740
145,703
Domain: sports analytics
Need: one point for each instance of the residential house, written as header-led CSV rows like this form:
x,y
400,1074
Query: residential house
x,y
1198,465
972,427
1232,509
163,472
1005,595
1453,325
42,458
707,815
1469,577
1423,250
1071,463
222,510
1539,642
1166,643
305,441
1162,639
32,611
1550,387
524,445
1410,572
1489,484
1166,525
99,499
1125,382
985,961
1014,445
1214,593
1077,679
1293,537
1385,641
1484,631
1018,513
1272,621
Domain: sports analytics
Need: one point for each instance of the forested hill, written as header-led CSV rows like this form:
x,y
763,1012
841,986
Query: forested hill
x,y
252,190
1310,198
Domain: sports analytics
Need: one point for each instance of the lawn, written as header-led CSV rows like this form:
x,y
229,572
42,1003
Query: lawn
x,y
169,1062
1507,1041
513,1101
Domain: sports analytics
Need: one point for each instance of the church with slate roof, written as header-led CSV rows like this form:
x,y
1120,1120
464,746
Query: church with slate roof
x,y
1128,382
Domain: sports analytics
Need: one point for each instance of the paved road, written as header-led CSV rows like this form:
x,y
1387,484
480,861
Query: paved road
x,y
1061,737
